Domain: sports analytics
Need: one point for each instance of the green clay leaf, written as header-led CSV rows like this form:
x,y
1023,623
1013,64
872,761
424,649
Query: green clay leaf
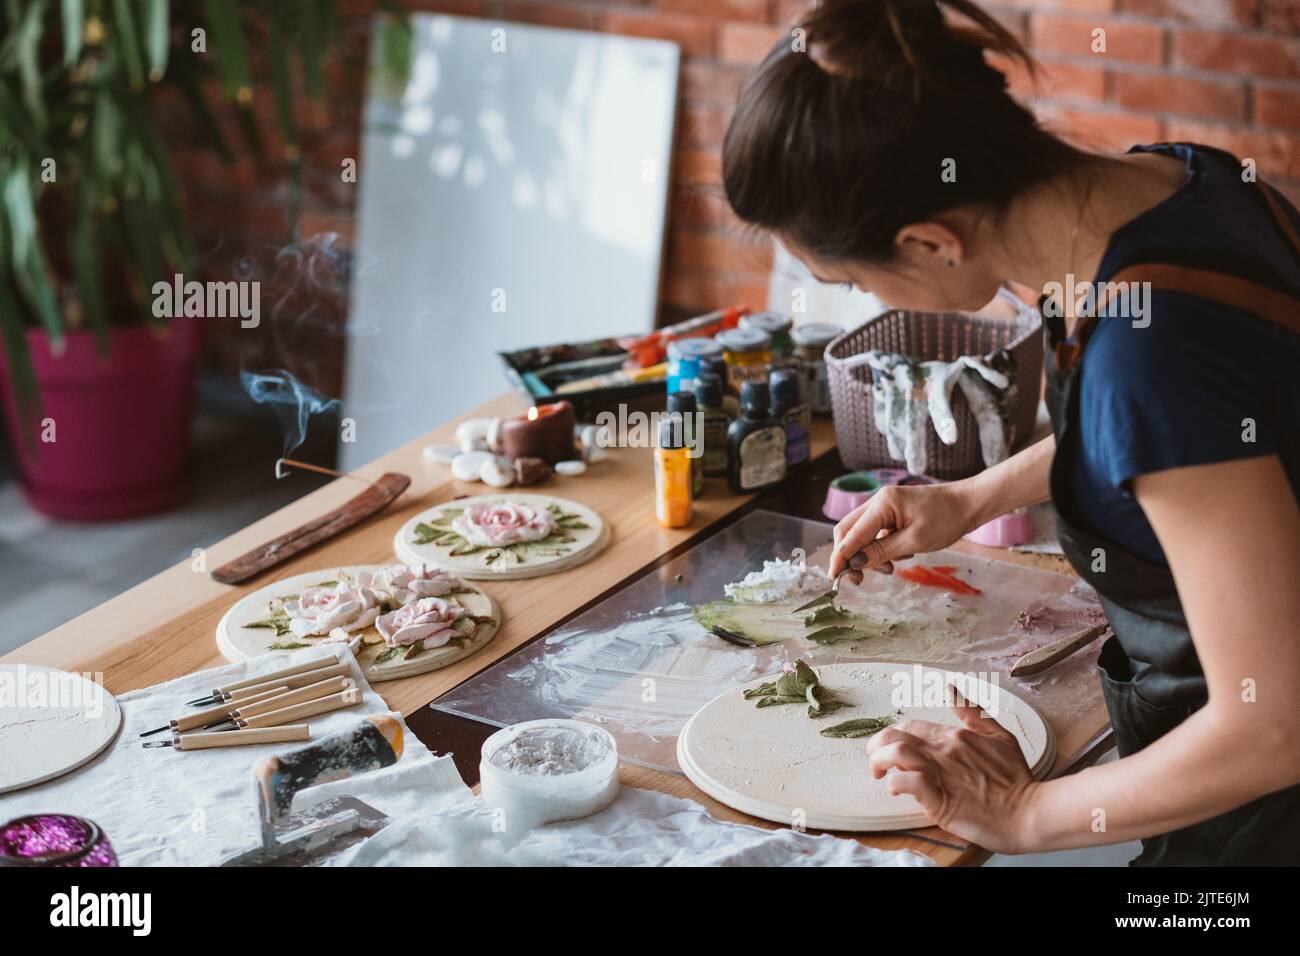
x,y
861,727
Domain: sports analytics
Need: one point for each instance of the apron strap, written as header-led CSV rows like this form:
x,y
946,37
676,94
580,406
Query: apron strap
x,y
1221,287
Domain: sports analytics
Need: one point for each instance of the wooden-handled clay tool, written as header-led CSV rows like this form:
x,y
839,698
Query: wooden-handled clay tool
x,y
331,685
302,680
227,691
235,738
332,825
309,708
381,493
201,718
1039,660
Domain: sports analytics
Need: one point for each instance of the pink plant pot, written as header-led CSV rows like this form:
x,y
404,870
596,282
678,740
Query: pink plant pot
x,y
113,431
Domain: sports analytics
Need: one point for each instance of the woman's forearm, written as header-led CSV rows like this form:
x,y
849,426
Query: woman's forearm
x,y
1020,481
1206,766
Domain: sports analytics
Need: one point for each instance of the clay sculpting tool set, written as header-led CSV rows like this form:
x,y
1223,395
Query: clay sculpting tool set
x,y
255,710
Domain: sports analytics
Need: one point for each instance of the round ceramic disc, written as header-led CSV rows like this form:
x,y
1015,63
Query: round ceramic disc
x,y
773,762
589,536
238,642
51,722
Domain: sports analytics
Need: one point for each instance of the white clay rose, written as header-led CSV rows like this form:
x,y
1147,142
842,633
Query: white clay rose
x,y
429,620
503,524
317,611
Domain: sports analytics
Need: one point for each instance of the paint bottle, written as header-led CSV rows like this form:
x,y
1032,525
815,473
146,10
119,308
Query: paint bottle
x,y
714,421
730,394
672,474
777,328
749,356
810,343
755,443
790,409
684,362
683,404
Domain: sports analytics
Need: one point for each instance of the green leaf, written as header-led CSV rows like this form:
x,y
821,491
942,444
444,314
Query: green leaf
x,y
286,646
861,727
837,634
157,22
229,48
128,42
281,80
823,614
74,16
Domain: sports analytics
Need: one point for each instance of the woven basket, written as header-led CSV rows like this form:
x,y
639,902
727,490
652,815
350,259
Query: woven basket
x,y
931,336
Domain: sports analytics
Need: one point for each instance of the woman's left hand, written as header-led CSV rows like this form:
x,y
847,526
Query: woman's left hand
x,y
972,780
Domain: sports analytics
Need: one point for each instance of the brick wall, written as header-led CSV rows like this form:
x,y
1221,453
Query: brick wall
x,y
1222,72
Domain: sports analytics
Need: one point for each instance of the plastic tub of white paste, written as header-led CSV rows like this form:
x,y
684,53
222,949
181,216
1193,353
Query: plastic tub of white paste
x,y
543,771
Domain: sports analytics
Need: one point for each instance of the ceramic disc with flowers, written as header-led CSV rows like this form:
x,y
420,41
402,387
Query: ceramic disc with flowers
x,y
399,620
506,536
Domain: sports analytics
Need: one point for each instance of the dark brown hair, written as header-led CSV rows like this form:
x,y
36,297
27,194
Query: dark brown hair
x,y
841,146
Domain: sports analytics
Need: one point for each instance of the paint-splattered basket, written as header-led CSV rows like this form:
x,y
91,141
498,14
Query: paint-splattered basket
x,y
934,336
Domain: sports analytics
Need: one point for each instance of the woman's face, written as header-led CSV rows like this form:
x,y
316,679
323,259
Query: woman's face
x,y
919,277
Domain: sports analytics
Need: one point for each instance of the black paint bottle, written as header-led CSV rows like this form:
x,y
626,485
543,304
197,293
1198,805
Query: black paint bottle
x,y
755,443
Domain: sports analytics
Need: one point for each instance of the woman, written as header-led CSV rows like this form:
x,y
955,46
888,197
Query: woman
x,y
889,156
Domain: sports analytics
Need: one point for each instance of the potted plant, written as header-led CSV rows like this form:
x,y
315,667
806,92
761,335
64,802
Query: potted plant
x,y
97,385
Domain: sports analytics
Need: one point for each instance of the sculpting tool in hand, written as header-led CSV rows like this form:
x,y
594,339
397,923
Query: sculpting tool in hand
x,y
235,738
223,693
1049,655
214,715
855,564
310,708
332,685
301,680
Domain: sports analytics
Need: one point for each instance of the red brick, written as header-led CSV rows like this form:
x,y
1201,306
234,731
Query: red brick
x,y
702,166
1182,95
693,34
753,10
1100,130
699,292
1281,15
1251,54
1277,105
733,251
712,82
1129,41
1205,13
1275,153
700,124
314,222
703,207
1055,80
566,16
747,42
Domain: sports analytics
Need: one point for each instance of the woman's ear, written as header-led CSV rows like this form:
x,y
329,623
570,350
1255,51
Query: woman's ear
x,y
927,245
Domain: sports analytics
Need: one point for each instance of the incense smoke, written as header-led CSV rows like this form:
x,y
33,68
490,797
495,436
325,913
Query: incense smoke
x,y
293,402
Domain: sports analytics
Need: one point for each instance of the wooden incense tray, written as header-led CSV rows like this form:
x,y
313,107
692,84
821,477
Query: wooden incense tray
x,y
381,493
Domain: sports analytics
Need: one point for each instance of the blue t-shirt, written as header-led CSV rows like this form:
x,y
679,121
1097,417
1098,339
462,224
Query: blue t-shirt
x,y
1185,389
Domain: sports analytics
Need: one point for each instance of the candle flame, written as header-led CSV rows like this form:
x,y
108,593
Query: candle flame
x,y
532,414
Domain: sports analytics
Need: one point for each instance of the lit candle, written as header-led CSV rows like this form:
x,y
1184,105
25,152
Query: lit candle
x,y
545,432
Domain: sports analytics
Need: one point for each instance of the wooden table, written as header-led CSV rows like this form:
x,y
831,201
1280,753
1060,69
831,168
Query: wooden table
x,y
164,627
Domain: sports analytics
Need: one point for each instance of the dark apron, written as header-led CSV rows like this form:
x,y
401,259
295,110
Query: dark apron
x,y
1150,675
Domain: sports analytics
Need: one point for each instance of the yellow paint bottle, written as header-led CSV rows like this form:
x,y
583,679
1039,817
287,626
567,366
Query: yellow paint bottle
x,y
672,473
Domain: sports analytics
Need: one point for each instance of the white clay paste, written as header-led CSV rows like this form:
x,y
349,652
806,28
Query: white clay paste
x,y
548,751
779,581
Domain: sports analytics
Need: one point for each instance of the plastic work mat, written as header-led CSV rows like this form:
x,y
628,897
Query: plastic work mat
x,y
640,664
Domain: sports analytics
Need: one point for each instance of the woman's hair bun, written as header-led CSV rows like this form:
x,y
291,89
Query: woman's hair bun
x,y
908,45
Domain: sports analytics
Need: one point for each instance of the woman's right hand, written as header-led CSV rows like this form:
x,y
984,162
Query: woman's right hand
x,y
899,521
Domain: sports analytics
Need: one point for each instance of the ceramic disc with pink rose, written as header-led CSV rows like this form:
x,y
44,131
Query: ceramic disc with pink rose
x,y
503,536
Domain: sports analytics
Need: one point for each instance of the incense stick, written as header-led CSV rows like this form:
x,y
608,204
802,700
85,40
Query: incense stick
x,y
280,464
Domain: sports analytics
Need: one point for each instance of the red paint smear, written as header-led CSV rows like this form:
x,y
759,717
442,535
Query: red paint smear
x,y
938,577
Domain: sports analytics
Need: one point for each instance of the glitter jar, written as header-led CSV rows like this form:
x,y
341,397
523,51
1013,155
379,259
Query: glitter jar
x,y
56,840
528,799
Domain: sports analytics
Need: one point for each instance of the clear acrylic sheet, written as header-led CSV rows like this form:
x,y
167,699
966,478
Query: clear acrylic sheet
x,y
640,665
